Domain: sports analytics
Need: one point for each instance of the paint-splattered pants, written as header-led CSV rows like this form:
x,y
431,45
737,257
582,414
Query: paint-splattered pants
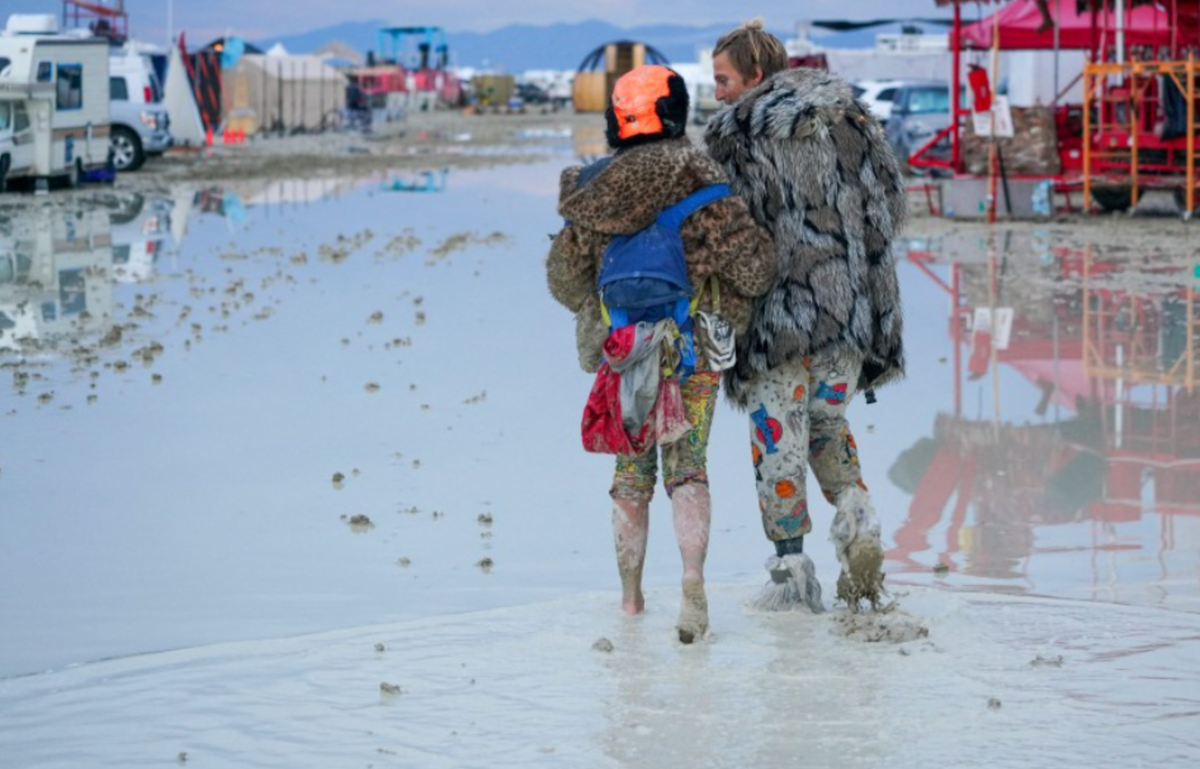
x,y
798,417
685,460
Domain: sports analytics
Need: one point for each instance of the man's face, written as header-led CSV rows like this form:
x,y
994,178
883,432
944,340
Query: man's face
x,y
730,83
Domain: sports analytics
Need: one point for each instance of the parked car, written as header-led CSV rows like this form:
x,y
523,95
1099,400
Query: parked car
x,y
531,93
919,111
878,95
140,123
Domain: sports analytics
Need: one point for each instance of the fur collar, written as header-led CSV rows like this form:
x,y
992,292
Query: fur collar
x,y
794,103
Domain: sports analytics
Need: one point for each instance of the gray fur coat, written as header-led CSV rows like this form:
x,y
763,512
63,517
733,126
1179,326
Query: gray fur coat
x,y
817,172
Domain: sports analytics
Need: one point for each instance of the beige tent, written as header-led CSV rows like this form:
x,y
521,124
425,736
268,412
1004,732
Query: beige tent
x,y
282,92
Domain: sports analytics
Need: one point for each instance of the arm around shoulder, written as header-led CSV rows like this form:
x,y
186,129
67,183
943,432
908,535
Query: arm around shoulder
x,y
745,255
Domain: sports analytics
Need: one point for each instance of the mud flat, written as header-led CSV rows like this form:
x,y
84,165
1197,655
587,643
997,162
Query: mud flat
x,y
437,140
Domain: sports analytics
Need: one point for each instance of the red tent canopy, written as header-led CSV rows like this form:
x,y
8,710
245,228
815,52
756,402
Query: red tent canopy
x,y
1020,21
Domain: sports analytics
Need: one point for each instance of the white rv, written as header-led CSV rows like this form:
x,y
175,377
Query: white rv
x,y
54,101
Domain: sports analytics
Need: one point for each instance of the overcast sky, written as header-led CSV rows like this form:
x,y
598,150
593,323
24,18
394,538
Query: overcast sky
x,y
263,19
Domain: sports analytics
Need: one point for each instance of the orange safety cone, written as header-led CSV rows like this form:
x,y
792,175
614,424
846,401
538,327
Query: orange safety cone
x,y
208,136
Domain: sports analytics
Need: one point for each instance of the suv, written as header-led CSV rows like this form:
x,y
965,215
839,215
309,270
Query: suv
x,y
919,111
878,95
140,125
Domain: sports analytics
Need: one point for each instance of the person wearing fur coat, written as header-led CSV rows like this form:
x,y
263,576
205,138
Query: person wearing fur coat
x,y
655,166
816,171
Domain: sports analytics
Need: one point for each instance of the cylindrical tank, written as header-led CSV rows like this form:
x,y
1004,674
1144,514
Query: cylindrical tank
x,y
593,82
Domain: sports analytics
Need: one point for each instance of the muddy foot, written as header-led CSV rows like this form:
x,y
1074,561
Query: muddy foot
x,y
693,611
632,600
633,603
863,579
793,585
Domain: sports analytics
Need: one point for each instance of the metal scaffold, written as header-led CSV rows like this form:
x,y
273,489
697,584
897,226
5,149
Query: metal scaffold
x,y
1129,142
105,18
1135,129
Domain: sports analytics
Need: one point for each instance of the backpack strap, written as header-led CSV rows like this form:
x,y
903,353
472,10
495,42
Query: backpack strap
x,y
714,288
674,216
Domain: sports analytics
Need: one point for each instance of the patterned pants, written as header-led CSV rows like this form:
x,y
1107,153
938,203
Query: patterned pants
x,y
797,418
684,461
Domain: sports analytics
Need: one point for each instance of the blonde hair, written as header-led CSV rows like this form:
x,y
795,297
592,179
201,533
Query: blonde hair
x,y
751,48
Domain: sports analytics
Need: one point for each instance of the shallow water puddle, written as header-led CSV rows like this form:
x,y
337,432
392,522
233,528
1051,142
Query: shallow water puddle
x,y
189,372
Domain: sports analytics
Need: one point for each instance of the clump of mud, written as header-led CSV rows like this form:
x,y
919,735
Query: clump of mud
x,y
863,583
890,624
461,240
1047,662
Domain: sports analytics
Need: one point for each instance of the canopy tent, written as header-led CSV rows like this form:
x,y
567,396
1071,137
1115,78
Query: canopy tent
x,y
187,125
283,92
1021,26
1028,24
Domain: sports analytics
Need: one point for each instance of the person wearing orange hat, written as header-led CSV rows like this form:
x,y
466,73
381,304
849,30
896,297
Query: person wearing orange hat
x,y
654,169
815,169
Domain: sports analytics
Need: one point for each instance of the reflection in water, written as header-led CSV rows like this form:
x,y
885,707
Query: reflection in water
x,y
140,231
55,288
59,268
1074,402
590,142
423,181
234,200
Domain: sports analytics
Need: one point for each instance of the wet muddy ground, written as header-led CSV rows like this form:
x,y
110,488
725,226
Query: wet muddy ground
x,y
318,384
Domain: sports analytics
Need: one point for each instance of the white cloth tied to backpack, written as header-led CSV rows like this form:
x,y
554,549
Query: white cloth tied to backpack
x,y
714,335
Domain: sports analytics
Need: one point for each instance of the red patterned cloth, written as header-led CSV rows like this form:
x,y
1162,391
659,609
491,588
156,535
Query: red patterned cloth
x,y
603,429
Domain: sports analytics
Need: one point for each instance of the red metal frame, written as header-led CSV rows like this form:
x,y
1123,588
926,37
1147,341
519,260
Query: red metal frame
x,y
84,14
1159,162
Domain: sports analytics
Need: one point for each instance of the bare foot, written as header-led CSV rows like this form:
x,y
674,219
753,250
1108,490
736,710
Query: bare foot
x,y
630,527
632,601
693,610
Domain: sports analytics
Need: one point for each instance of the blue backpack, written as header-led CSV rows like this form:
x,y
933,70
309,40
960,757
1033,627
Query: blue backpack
x,y
643,276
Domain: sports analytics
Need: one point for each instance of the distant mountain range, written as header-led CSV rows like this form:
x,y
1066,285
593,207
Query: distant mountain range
x,y
520,47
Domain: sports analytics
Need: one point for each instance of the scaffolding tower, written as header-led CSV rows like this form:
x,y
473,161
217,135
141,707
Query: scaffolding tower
x,y
103,18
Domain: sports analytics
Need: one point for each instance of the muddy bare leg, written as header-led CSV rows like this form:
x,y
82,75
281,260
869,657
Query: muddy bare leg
x,y
631,527
691,509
